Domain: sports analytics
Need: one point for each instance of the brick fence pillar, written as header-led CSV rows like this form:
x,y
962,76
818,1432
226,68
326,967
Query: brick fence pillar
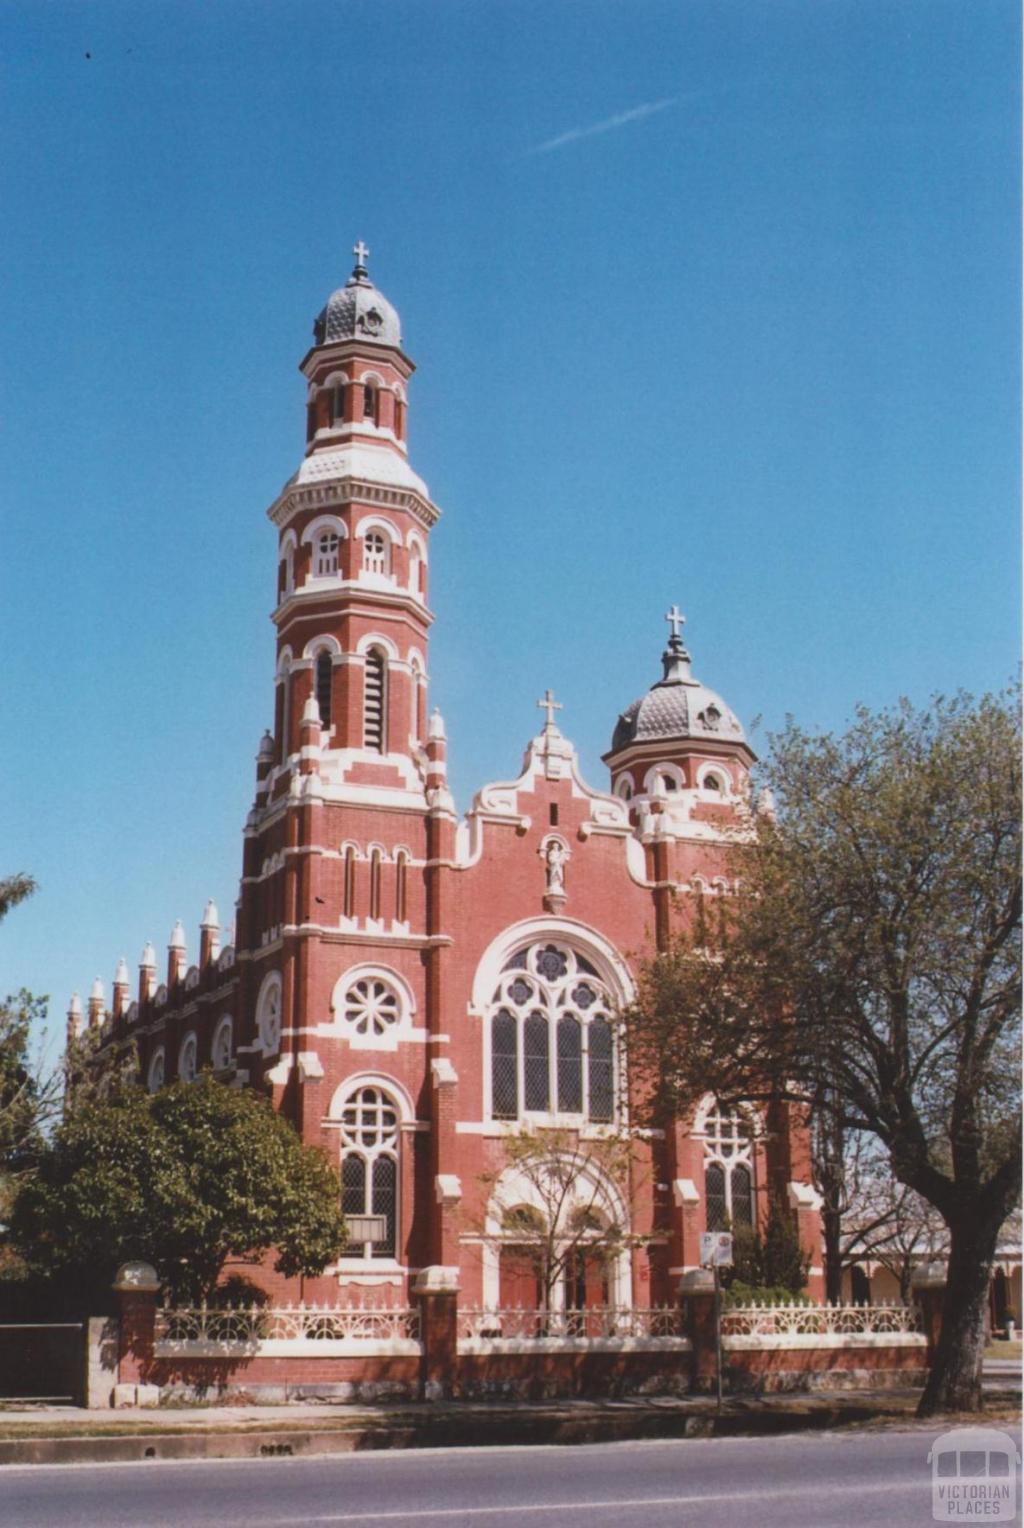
x,y
437,1291
697,1294
138,1290
928,1283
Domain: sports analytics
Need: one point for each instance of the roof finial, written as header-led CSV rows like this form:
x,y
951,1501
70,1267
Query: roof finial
x,y
675,619
360,251
550,705
675,659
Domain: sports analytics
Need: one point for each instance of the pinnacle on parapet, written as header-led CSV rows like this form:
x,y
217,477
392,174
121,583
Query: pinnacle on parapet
x,y
121,974
210,918
435,727
148,958
266,748
96,993
177,940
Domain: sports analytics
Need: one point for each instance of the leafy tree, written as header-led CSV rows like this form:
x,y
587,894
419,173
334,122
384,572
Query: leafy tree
x,y
869,968
769,1263
14,889
186,1179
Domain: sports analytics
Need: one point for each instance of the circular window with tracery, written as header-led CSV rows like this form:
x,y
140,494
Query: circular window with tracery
x,y
371,1007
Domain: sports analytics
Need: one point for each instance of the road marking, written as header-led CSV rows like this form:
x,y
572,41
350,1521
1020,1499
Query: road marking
x,y
917,1484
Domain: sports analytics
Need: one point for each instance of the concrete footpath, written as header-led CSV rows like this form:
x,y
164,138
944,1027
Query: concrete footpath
x,y
58,1434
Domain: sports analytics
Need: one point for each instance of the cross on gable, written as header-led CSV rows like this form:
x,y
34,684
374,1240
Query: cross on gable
x,y
360,251
550,705
675,619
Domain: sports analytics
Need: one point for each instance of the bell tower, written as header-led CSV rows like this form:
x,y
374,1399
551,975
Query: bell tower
x,y
336,840
353,524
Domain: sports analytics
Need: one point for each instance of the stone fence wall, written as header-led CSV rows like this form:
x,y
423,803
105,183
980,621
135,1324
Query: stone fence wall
x,y
434,1348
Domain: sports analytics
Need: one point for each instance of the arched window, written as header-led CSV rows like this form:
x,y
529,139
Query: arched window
x,y
375,876
286,708
570,1064
375,552
325,561
222,1050
401,886
600,1069
188,1058
551,1037
536,1079
268,1014
324,685
369,1167
374,698
155,1075
349,888
504,1066
728,1169
338,403
399,419
370,402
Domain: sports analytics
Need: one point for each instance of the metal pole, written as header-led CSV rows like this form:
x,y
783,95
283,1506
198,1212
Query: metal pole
x,y
718,1337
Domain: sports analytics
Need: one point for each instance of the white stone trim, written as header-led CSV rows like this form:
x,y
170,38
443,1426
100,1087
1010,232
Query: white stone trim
x,y
832,1340
322,523
387,1084
379,523
581,937
282,1347
484,1346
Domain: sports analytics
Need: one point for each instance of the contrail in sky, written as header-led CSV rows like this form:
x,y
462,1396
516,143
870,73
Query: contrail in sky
x,y
620,119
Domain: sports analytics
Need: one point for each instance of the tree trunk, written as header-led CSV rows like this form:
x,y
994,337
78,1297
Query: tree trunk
x,y
954,1379
831,1233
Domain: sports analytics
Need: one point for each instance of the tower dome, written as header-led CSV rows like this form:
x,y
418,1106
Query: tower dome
x,y
678,706
358,311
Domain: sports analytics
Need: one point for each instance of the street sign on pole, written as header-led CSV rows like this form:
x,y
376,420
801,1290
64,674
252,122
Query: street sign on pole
x,y
716,1249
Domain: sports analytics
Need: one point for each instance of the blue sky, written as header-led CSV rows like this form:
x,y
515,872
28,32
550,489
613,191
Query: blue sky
x,y
712,302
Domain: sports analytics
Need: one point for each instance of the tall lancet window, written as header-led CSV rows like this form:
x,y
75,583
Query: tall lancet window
x,y
324,679
728,1169
369,1167
375,678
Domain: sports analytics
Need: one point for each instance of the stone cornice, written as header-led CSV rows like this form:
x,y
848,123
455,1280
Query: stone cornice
x,y
296,498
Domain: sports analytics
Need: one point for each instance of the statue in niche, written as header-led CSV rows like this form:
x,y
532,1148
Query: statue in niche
x,y
555,861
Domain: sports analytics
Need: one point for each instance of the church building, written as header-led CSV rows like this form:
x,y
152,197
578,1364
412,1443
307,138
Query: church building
x,y
419,991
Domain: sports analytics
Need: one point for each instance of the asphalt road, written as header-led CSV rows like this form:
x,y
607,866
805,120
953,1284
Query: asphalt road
x,y
806,1481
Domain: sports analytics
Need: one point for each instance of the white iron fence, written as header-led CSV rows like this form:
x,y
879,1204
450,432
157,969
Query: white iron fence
x,y
596,1326
851,1327
817,1320
287,1331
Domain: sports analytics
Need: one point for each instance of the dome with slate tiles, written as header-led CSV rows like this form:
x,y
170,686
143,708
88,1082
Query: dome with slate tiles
x,y
678,706
357,311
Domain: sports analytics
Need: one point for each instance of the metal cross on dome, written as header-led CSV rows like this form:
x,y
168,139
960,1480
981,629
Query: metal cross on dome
x,y
675,619
550,705
360,251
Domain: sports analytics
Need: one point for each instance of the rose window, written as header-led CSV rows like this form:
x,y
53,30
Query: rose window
x,y
371,1007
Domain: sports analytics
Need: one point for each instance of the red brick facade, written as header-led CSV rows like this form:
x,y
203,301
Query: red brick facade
x,y
413,988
